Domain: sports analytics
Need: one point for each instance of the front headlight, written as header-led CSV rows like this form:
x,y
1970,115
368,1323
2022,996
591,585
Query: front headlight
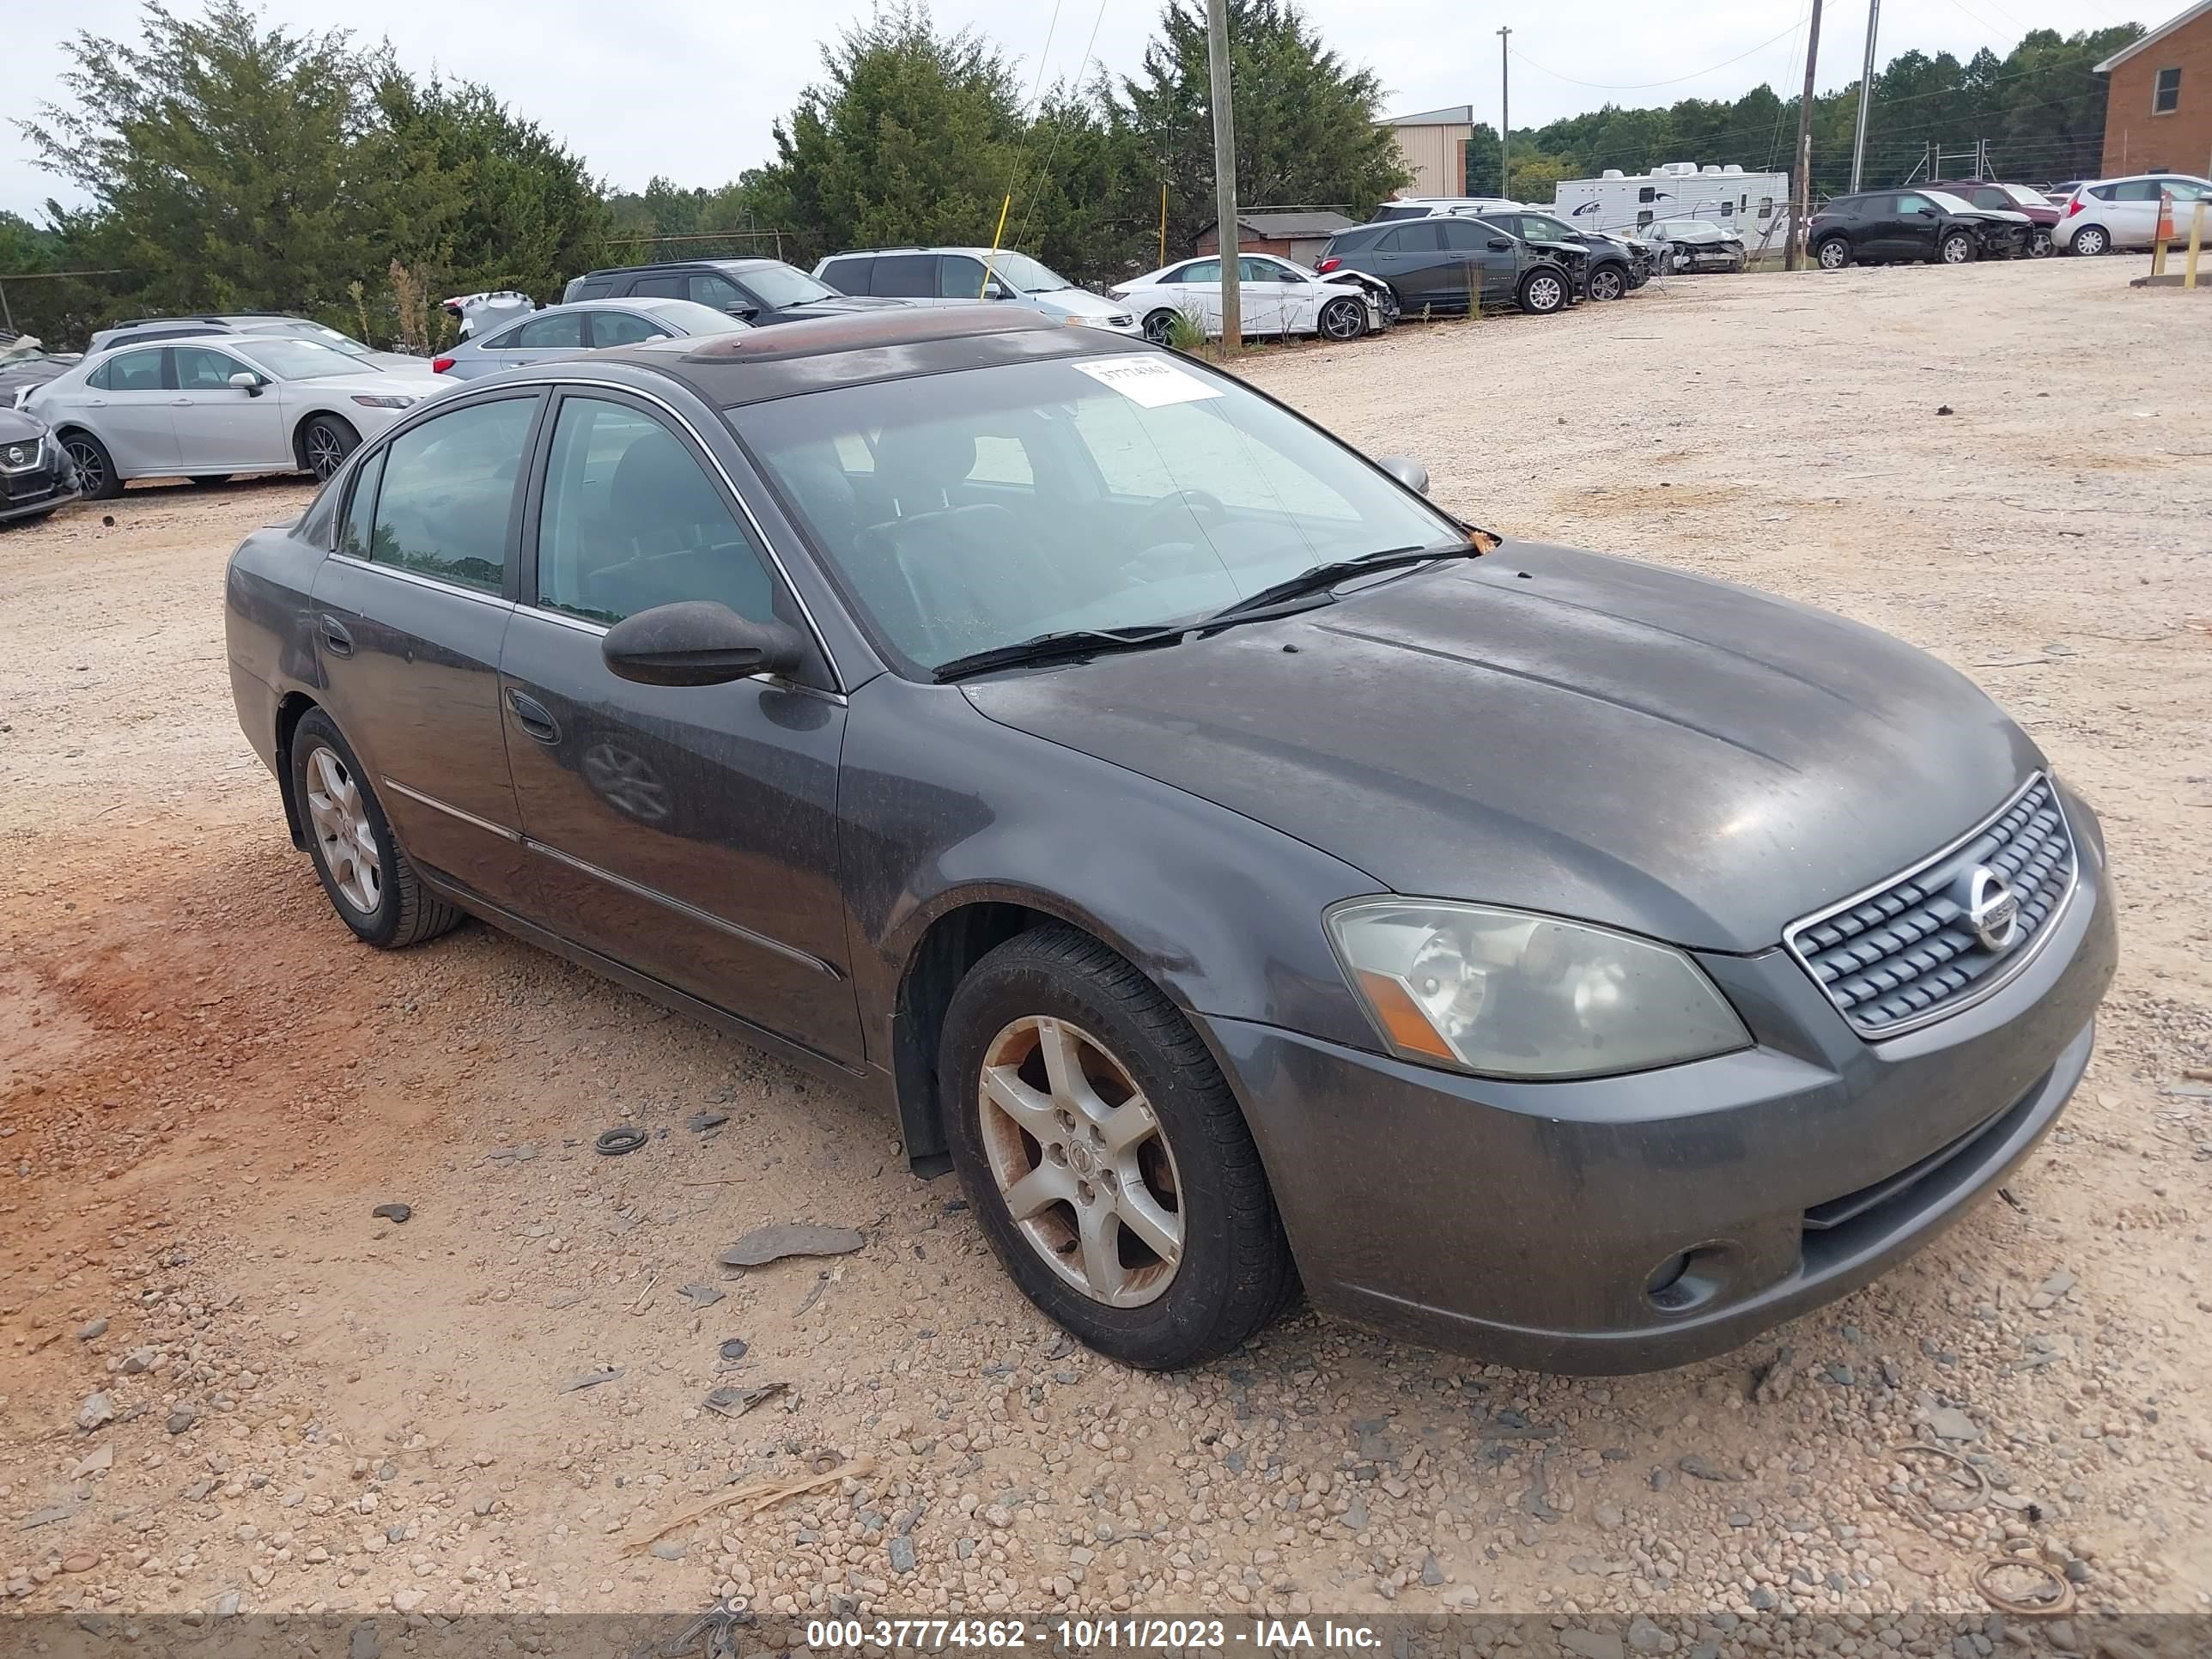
x,y
387,400
1504,994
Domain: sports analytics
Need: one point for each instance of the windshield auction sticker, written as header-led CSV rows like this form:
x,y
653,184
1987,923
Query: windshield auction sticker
x,y
1149,382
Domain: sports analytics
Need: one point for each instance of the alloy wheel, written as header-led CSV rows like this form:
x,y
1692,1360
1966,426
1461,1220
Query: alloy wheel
x,y
342,831
1834,256
1159,328
91,469
1341,320
1081,1161
324,450
1545,294
1956,250
1606,285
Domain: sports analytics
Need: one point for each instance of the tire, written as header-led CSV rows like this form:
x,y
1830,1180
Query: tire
x,y
1608,282
96,467
387,906
2040,244
1159,327
1543,292
1189,1174
207,480
2090,241
1341,319
1956,249
324,441
1834,254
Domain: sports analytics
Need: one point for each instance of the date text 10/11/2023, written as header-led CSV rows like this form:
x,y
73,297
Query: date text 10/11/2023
x,y
1090,1635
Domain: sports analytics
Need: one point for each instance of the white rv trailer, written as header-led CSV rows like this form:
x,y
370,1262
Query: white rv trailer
x,y
1755,205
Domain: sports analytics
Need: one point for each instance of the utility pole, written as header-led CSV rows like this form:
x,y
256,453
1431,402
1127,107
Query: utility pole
x,y
1793,255
1504,114
1866,96
1226,239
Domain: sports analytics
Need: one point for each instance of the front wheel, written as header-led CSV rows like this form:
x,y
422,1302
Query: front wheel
x,y
1342,319
325,442
1107,1160
1833,254
2039,246
1607,283
1956,249
95,468
1543,292
371,884
2091,240
1159,328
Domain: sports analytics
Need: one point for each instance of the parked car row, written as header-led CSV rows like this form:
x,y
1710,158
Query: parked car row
x,y
1953,221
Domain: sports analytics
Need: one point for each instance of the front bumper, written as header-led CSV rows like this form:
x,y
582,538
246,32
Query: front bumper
x,y
35,491
1534,1223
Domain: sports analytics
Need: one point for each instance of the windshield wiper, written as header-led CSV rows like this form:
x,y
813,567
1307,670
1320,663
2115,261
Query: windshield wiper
x,y
1322,576
1062,646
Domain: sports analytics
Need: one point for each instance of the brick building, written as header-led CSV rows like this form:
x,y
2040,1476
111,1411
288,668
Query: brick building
x,y
1298,233
2158,99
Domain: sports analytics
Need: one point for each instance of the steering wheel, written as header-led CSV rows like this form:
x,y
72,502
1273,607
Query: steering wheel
x,y
1200,504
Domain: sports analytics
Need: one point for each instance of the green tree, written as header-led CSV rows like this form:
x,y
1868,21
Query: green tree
x,y
1306,133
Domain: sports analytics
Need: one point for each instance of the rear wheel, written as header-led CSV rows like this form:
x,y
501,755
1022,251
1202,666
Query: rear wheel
x,y
2091,240
1833,254
325,442
1107,1160
371,884
96,467
1956,249
1342,319
1543,292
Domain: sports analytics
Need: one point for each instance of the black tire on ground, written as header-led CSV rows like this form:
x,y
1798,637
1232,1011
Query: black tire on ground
x,y
405,912
1608,282
1543,292
1342,319
207,480
1956,249
1159,327
1834,254
2039,244
1233,1275
96,467
2090,241
324,441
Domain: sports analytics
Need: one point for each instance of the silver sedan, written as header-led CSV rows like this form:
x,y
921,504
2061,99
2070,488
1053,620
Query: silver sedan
x,y
587,326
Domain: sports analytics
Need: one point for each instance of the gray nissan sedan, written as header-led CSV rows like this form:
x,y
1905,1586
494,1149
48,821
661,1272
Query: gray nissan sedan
x,y
1246,876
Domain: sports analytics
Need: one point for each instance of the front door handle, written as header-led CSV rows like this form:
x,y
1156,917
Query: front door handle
x,y
336,640
533,717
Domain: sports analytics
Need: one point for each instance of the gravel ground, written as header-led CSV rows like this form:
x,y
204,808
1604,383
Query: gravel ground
x,y
229,1386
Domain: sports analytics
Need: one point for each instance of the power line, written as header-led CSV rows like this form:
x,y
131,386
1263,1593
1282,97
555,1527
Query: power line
x,y
1044,173
1646,86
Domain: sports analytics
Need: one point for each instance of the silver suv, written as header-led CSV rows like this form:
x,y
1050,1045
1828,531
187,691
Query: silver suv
x,y
964,275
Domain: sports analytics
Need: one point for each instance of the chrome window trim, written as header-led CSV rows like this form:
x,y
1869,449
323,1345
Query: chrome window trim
x,y
434,583
1990,984
449,809
692,912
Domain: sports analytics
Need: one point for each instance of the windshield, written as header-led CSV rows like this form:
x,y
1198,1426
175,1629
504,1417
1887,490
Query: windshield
x,y
2024,196
316,331
1025,275
300,360
981,507
1948,202
1546,230
778,286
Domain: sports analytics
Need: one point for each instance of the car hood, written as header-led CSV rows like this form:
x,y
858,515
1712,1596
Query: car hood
x,y
16,426
1564,731
1702,234
1995,215
370,383
843,305
1077,302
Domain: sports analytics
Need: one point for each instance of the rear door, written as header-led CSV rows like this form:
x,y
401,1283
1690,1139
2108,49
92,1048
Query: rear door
x,y
408,615
220,427
129,403
849,274
2131,212
688,832
911,277
1198,291
1423,270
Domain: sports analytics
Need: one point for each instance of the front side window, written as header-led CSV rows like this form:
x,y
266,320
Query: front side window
x,y
447,491
198,368
2165,97
1114,491
128,371
1913,203
631,521
543,333
960,276
621,328
1258,271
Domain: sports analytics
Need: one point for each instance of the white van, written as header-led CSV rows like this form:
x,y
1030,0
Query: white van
x,y
964,275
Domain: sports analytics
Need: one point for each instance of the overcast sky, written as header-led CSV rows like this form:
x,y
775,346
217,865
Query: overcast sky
x,y
688,87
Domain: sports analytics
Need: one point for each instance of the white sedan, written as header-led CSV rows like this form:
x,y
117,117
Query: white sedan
x,y
210,407
1274,297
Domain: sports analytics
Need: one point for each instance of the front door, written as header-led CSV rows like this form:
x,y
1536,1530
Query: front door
x,y
220,427
408,618
1485,255
1913,229
1260,296
689,832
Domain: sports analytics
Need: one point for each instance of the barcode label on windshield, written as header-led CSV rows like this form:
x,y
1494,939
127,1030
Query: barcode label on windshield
x,y
1149,381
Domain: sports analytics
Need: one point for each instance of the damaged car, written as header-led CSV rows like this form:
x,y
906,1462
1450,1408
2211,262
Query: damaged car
x,y
1686,244
36,474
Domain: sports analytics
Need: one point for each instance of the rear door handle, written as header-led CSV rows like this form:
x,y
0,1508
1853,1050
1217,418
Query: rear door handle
x,y
336,640
533,717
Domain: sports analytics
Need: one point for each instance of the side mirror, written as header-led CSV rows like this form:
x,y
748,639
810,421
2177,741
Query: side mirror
x,y
248,382
1407,471
1499,245
698,642
745,313
995,290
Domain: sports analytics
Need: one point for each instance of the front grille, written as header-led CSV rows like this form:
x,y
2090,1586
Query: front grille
x,y
1908,952
1119,319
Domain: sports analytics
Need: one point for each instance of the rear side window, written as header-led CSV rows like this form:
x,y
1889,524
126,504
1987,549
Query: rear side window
x,y
905,275
847,276
128,371
447,491
661,285
589,287
1469,232
355,536
1422,238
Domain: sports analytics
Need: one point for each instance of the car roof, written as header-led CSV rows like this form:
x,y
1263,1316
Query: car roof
x,y
759,364
745,263
980,252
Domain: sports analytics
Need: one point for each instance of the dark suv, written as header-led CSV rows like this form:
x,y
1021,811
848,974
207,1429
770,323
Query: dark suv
x,y
1437,264
758,291
1883,227
1616,267
2042,212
